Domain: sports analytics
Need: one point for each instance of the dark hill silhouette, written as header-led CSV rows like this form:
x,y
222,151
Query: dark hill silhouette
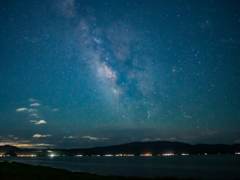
x,y
157,147
10,153
6,148
136,148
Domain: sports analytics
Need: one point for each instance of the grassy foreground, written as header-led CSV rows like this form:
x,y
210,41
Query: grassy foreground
x,y
13,170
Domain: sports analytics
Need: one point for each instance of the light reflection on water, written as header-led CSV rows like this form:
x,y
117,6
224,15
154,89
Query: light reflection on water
x,y
195,166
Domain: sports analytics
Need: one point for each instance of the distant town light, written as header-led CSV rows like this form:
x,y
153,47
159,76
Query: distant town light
x,y
52,155
27,155
108,155
79,155
184,154
237,153
147,154
118,155
128,155
169,154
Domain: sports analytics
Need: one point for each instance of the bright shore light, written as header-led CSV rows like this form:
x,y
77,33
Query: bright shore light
x,y
168,154
52,155
237,153
79,155
128,155
184,154
147,154
118,155
26,155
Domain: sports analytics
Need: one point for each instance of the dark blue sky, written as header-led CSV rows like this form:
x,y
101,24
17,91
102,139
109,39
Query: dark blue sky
x,y
85,73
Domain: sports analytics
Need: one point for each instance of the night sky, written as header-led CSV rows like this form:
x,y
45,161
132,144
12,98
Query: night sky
x,y
86,73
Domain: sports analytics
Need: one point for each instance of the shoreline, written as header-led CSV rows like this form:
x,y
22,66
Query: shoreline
x,y
18,171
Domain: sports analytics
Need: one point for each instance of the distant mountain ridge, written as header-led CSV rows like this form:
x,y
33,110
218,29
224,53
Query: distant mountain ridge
x,y
6,148
136,148
159,147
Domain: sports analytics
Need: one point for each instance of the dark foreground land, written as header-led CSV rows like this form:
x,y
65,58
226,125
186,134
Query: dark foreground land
x,y
13,170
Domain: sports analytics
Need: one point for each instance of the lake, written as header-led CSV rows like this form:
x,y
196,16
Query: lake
x,y
195,166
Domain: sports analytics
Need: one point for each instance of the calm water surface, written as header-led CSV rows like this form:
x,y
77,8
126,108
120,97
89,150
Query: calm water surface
x,y
195,166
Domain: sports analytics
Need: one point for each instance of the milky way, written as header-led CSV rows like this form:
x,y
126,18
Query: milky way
x,y
96,73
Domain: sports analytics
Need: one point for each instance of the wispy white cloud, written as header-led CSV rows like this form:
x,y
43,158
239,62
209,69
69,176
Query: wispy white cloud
x,y
32,110
159,139
22,109
35,104
35,115
94,138
41,122
70,137
32,100
41,135
55,109
38,122
237,141
33,121
26,144
146,139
